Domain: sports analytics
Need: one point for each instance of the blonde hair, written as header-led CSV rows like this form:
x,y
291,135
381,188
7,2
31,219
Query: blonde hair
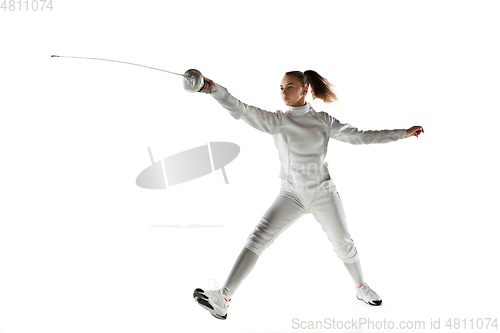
x,y
320,86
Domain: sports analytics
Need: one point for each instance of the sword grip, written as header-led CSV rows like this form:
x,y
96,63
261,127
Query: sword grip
x,y
207,86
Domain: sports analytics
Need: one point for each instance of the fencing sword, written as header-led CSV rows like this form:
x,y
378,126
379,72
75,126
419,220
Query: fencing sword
x,y
193,79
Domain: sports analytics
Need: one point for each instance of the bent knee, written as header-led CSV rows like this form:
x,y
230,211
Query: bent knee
x,y
260,238
258,243
347,253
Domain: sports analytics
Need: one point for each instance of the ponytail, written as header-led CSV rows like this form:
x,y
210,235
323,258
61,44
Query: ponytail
x,y
320,86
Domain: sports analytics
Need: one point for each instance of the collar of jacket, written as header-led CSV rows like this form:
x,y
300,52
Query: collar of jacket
x,y
299,110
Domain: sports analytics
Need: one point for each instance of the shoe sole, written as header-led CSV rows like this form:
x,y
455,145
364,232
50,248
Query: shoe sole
x,y
202,299
375,303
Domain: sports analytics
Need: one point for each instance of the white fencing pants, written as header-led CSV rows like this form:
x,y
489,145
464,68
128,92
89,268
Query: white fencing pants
x,y
326,206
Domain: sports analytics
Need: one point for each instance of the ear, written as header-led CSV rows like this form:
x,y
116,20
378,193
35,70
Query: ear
x,y
306,89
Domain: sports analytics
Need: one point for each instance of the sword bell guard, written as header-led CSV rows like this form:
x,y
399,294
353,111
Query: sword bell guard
x,y
193,80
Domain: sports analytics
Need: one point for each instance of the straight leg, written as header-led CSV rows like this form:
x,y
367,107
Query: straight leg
x,y
285,210
328,210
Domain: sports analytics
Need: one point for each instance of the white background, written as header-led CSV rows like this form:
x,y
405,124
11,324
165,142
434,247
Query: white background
x,y
84,249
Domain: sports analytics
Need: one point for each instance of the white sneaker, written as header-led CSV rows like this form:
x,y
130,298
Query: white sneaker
x,y
367,295
216,301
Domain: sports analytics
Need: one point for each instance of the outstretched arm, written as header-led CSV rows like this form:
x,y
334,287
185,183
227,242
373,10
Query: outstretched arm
x,y
350,134
262,120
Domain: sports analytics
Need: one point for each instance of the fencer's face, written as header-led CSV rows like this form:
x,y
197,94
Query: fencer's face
x,y
292,91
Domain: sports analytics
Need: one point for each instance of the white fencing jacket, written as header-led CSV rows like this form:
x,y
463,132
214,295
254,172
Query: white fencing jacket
x,y
301,136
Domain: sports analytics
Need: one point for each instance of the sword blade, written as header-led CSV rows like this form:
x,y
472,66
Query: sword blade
x,y
123,62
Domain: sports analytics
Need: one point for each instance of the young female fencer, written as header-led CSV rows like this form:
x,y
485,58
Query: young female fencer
x,y
301,136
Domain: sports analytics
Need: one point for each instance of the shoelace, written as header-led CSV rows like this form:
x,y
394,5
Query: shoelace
x,y
219,290
367,290
215,285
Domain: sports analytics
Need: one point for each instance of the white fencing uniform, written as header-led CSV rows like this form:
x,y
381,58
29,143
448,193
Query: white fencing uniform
x,y
301,136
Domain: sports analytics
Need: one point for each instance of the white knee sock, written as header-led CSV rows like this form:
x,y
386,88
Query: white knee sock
x,y
241,268
354,270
